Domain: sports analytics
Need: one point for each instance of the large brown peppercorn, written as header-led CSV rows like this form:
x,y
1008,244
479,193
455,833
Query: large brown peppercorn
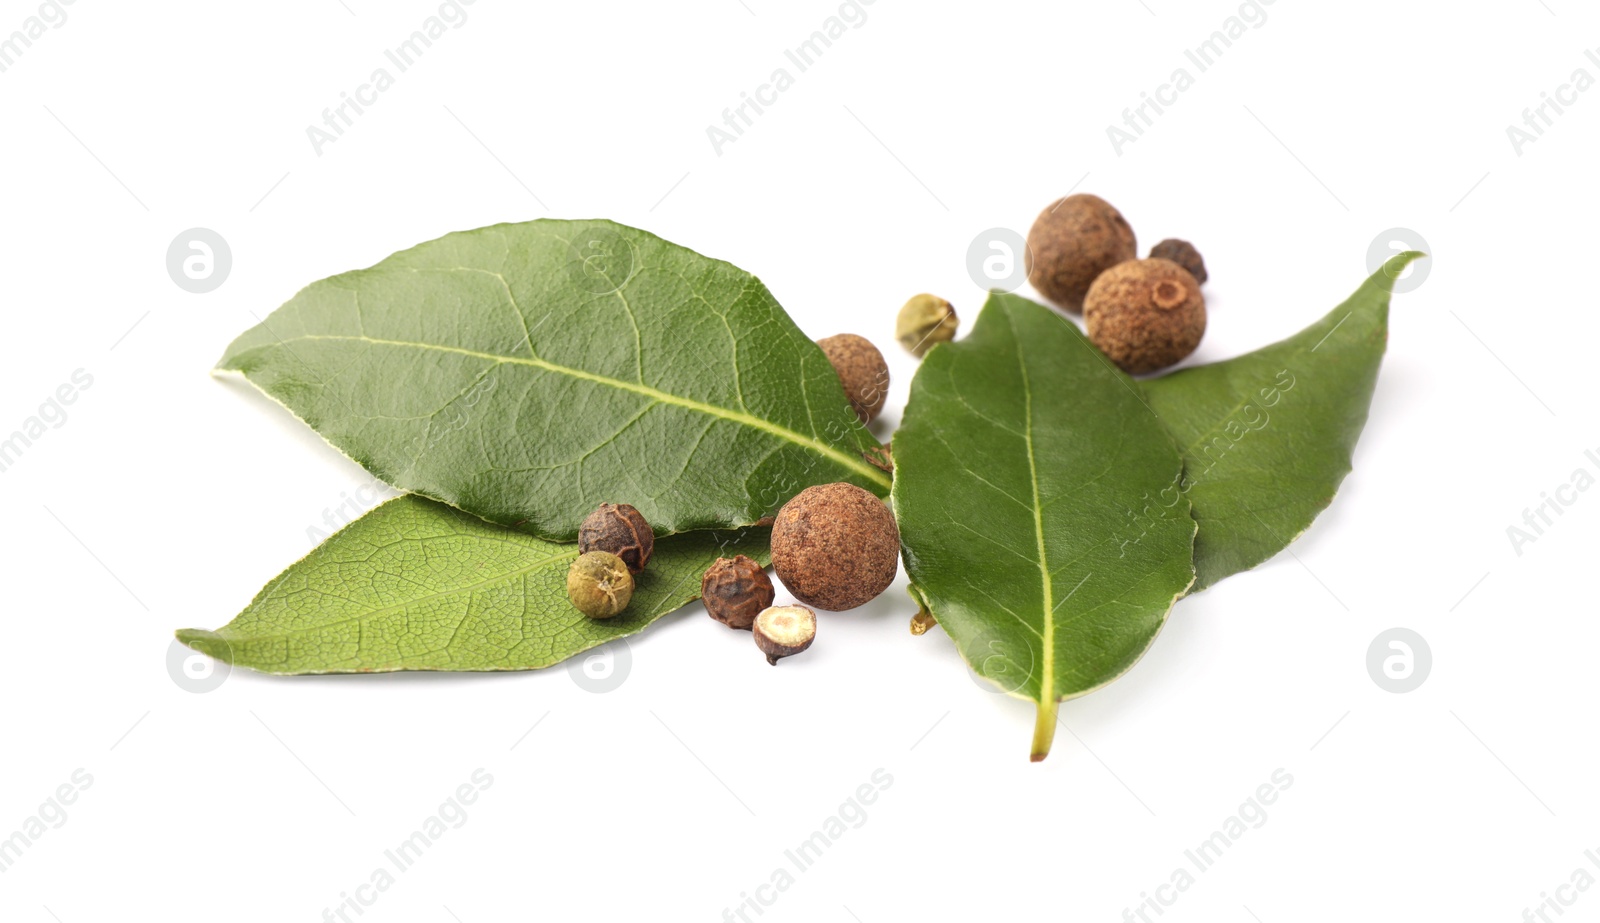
x,y
1071,243
835,546
735,590
1184,254
621,530
1145,314
862,371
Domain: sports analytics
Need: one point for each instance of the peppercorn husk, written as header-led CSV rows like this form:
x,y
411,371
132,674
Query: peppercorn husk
x,y
735,590
621,530
1184,254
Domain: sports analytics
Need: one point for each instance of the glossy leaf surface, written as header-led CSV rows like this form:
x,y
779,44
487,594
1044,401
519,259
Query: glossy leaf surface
x,y
527,373
1267,437
1021,458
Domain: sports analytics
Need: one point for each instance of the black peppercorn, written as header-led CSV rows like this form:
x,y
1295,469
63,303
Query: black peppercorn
x,y
1184,254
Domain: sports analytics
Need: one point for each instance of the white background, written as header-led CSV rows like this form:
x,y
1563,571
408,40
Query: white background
x,y
167,498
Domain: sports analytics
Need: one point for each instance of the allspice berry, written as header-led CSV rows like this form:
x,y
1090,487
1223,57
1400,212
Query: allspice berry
x,y
599,584
621,530
735,590
1145,314
1184,254
1071,243
783,631
924,322
835,546
862,371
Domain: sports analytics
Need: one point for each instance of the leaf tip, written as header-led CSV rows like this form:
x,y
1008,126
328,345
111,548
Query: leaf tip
x,y
1395,265
206,642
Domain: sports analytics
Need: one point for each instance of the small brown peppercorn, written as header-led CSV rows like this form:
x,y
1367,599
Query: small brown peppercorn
x,y
735,590
862,371
1184,254
599,584
783,631
1071,243
924,322
621,530
1145,314
835,546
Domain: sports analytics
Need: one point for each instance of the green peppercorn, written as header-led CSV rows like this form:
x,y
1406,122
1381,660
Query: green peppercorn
x,y
924,322
599,584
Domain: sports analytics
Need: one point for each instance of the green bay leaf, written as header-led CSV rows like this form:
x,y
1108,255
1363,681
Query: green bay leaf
x,y
1267,437
1021,453
528,372
418,585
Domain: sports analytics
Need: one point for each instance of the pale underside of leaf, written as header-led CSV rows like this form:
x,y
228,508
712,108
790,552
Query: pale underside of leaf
x,y
417,585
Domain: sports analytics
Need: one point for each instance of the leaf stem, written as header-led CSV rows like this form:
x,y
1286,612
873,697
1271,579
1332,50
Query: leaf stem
x,y
1044,730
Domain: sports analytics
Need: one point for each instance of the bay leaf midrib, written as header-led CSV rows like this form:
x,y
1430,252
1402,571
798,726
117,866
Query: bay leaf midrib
x,y
858,465
398,607
1047,632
